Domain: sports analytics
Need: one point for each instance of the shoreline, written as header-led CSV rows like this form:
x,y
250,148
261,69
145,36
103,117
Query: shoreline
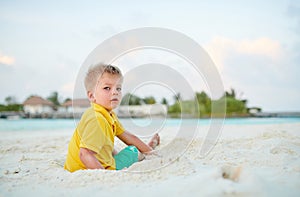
x,y
14,115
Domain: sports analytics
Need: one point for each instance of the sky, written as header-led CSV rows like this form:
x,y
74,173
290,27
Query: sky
x,y
255,45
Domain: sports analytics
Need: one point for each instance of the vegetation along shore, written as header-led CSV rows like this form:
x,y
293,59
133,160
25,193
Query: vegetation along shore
x,y
198,107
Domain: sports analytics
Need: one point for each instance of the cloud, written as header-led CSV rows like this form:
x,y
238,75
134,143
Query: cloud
x,y
6,60
221,49
262,46
259,68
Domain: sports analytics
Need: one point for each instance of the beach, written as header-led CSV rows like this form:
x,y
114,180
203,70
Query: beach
x,y
247,160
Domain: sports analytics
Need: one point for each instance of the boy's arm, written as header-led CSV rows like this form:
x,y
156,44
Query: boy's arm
x,y
88,158
131,139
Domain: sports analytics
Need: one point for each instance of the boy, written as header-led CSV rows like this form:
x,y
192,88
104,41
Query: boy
x,y
92,144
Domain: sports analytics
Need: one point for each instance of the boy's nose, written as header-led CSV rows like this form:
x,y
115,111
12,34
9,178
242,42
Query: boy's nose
x,y
115,92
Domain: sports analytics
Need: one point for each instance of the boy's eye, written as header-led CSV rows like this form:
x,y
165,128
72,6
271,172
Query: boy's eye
x,y
119,89
106,88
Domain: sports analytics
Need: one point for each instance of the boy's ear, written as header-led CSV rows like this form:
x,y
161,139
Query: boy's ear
x,y
91,96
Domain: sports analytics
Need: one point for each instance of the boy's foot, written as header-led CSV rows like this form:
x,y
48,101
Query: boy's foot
x,y
155,141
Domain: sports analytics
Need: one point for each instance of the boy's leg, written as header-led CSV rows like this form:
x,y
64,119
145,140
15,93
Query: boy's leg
x,y
126,157
130,154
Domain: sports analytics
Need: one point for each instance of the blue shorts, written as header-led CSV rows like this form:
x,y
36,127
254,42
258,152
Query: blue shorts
x,y
126,157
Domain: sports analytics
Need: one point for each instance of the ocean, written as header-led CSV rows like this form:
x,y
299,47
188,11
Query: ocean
x,y
66,124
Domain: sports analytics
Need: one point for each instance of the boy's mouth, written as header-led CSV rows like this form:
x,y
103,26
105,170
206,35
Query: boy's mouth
x,y
114,100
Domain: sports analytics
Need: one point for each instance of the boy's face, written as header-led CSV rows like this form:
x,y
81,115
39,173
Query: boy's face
x,y
108,91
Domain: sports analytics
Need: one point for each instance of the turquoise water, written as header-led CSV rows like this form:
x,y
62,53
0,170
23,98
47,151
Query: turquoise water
x,y
66,124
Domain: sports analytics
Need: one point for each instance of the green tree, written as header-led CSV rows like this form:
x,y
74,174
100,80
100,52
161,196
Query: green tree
x,y
230,94
149,100
177,97
14,107
54,99
131,99
11,105
175,108
204,103
164,101
234,106
67,99
10,100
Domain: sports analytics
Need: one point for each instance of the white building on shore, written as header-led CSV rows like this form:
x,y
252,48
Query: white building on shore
x,y
37,106
139,111
75,106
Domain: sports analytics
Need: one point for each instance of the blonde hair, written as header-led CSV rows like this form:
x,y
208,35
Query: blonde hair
x,y
96,71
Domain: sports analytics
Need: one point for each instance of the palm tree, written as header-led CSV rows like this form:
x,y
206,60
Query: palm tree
x,y
10,100
54,99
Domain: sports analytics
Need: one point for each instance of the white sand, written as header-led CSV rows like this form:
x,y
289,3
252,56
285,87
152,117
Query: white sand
x,y
266,156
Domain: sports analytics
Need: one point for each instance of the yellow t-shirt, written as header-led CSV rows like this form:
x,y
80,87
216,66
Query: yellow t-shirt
x,y
95,131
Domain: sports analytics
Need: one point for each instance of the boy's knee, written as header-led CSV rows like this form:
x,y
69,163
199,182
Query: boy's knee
x,y
126,157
